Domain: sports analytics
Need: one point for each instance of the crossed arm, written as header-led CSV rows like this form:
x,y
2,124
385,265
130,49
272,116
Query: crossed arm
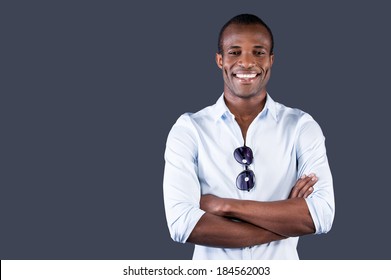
x,y
260,222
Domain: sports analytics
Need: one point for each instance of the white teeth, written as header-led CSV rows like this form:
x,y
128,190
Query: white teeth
x,y
246,76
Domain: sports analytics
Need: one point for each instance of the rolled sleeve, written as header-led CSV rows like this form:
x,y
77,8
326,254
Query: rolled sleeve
x,y
181,187
312,158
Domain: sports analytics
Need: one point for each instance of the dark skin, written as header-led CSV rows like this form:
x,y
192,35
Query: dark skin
x,y
246,63
246,50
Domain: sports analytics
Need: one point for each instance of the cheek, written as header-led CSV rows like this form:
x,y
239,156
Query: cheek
x,y
226,71
266,67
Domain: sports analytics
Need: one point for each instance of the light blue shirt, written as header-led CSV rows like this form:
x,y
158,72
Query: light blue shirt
x,y
286,144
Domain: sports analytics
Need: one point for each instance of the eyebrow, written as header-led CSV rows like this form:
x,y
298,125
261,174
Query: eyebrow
x,y
238,47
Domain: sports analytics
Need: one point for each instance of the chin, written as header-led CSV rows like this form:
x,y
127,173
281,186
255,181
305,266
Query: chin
x,y
248,95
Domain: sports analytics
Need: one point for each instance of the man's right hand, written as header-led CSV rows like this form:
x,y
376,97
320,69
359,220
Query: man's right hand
x,y
304,186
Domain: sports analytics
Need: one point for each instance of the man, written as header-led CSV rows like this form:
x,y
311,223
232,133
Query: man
x,y
260,213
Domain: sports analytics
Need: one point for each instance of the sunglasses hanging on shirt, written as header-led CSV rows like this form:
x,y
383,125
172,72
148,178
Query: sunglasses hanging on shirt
x,y
246,179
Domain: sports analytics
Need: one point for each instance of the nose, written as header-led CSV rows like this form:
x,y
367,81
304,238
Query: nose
x,y
246,61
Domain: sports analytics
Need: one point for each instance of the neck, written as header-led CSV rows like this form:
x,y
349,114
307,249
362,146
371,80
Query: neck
x,y
245,108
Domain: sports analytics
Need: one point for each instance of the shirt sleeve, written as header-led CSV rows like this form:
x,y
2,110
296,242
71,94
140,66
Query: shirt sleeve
x,y
312,158
181,187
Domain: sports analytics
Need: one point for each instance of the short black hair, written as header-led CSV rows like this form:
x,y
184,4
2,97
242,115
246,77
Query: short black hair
x,y
244,19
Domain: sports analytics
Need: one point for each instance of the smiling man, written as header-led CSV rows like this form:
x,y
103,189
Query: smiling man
x,y
246,177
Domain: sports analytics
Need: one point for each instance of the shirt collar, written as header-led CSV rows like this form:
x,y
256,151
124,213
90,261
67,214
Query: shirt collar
x,y
221,110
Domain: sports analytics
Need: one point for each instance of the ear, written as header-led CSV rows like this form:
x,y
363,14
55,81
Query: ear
x,y
271,59
219,60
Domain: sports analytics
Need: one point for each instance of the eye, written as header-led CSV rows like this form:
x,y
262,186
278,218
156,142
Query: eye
x,y
259,53
234,52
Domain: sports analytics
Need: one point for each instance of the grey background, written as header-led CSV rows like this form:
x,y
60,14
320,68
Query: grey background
x,y
90,90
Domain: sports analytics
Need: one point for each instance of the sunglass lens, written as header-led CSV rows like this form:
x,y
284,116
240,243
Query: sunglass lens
x,y
244,155
245,180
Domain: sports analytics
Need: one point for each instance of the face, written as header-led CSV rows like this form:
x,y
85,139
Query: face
x,y
246,60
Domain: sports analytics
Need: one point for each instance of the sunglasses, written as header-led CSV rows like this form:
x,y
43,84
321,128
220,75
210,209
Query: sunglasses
x,y
246,179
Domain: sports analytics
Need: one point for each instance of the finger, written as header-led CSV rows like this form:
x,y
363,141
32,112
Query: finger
x,y
303,191
302,185
310,191
301,182
307,189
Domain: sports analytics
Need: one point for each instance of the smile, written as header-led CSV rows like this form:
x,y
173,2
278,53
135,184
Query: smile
x,y
245,76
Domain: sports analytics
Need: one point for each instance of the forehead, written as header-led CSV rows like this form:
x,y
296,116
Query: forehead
x,y
241,35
